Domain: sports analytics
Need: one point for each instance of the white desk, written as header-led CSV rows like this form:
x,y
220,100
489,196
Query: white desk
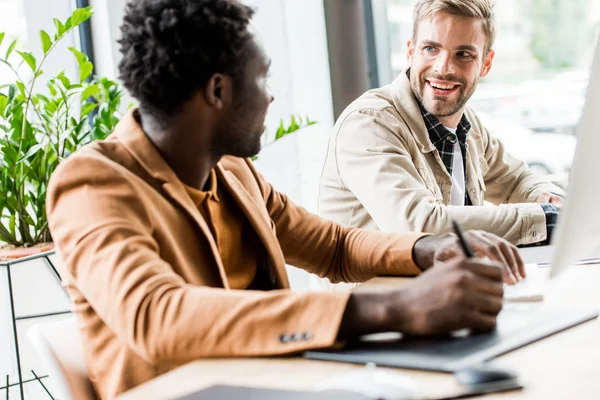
x,y
563,366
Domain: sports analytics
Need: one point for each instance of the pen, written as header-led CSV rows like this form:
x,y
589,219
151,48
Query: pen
x,y
468,250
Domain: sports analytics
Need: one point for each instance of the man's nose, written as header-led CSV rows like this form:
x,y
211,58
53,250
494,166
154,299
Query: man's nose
x,y
443,64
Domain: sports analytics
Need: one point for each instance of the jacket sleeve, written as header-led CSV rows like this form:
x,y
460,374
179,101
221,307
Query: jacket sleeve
x,y
331,251
104,234
373,161
505,171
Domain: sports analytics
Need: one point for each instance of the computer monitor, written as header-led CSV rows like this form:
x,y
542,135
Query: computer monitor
x,y
577,234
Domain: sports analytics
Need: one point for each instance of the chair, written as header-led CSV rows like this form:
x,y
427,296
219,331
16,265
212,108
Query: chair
x,y
59,346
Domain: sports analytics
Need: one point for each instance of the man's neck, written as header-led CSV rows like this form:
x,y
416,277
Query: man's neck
x,y
451,121
183,143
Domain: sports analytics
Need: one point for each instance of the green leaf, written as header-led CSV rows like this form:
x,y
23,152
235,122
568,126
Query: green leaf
x,y
89,91
60,28
80,15
46,41
65,81
81,57
34,149
29,59
51,88
293,125
12,224
280,131
21,87
87,108
1,37
85,71
3,102
68,24
10,49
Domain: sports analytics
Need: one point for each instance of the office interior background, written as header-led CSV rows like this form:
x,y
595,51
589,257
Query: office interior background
x,y
325,53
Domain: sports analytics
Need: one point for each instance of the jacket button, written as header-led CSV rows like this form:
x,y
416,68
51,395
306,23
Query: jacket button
x,y
297,337
285,338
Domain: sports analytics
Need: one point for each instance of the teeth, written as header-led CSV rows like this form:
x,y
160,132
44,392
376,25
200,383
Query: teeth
x,y
438,86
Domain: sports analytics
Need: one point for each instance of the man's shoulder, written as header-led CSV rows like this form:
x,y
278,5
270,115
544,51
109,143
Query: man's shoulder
x,y
100,160
373,101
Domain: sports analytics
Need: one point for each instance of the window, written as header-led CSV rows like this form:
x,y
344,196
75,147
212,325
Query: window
x,y
533,97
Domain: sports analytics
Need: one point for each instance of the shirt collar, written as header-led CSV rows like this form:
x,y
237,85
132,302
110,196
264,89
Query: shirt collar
x,y
199,196
438,132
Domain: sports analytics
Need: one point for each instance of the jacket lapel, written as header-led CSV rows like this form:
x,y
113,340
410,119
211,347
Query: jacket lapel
x,y
260,221
130,134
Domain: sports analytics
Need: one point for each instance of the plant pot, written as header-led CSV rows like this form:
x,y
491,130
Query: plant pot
x,y
8,253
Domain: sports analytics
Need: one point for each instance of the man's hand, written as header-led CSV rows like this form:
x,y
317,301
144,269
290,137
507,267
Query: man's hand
x,y
430,249
546,197
457,294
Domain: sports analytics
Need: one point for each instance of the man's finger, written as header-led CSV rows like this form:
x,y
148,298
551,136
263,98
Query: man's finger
x,y
520,262
483,268
508,251
489,248
543,198
482,302
477,321
556,200
488,287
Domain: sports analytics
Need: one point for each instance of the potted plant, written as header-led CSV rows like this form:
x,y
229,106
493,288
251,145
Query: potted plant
x,y
40,125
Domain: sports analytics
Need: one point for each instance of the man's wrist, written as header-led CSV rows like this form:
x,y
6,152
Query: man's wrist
x,y
424,249
365,313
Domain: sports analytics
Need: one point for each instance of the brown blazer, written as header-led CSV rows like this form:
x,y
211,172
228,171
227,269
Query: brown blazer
x,y
146,279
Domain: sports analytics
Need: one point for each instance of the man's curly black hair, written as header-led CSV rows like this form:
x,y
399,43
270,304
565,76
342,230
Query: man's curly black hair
x,y
171,48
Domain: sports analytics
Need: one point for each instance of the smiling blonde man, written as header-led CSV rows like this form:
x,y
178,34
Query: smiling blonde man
x,y
411,156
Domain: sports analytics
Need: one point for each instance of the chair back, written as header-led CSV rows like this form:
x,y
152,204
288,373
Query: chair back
x,y
59,346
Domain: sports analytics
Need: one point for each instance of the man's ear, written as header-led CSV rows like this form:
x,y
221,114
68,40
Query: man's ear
x,y
487,64
218,91
410,50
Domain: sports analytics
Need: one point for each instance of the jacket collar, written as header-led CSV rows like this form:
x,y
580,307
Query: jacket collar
x,y
130,134
408,107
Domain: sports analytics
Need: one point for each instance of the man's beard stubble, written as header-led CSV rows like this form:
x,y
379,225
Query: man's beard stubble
x,y
446,108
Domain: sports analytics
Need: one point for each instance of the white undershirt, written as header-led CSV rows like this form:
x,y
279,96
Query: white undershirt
x,y
457,194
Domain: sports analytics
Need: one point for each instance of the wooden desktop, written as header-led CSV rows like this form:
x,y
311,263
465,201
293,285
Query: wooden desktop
x,y
563,366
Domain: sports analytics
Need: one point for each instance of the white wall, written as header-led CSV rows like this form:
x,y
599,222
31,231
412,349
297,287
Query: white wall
x,y
293,33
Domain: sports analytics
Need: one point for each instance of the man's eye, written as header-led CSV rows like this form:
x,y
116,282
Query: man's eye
x,y
465,55
429,49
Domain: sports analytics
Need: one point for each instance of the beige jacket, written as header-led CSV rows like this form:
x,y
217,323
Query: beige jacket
x,y
383,172
146,278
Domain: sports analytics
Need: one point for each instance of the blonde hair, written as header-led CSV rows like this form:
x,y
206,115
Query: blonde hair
x,y
481,9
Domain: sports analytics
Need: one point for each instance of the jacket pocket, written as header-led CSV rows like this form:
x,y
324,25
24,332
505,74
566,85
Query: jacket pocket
x,y
430,182
479,189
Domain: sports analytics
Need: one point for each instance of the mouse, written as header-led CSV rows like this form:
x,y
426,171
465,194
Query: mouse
x,y
484,374
373,383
